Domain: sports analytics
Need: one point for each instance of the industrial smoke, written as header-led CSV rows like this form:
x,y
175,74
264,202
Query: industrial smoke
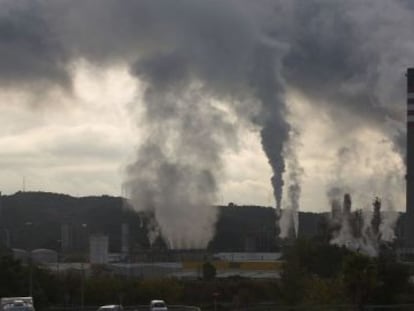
x,y
362,230
289,219
191,58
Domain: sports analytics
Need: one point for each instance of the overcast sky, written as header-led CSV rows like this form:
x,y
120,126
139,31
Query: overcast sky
x,y
74,86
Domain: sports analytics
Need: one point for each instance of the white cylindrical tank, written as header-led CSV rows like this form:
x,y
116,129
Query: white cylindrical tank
x,y
44,255
98,249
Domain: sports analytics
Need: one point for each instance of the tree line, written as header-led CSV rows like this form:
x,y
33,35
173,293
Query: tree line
x,y
314,273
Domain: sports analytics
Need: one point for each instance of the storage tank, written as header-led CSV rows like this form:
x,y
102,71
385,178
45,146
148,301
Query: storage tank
x,y
44,256
98,249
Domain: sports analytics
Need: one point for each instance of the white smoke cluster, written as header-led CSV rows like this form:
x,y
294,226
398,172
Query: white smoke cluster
x,y
289,220
345,57
372,223
363,230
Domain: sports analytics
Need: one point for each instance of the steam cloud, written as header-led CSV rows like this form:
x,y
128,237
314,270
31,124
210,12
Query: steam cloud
x,y
362,230
289,221
346,57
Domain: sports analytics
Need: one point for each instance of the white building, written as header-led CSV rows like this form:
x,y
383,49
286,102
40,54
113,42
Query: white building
x,y
44,256
248,257
98,249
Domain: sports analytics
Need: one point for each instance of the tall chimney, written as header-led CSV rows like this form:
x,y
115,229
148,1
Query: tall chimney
x,y
409,217
376,218
347,205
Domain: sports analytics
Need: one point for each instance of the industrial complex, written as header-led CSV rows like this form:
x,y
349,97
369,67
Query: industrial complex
x,y
346,228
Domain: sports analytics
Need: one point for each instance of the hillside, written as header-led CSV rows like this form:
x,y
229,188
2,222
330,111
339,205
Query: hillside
x,y
34,220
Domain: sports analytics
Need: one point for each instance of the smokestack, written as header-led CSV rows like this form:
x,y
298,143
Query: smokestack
x,y
376,218
336,212
347,204
66,238
1,211
357,223
409,217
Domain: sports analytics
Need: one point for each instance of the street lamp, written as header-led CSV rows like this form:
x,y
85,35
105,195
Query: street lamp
x,y
29,224
84,227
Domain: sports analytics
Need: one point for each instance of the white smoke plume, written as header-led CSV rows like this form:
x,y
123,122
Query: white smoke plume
x,y
153,230
289,220
363,230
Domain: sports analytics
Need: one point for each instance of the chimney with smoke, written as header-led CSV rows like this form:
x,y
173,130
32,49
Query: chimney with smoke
x,y
347,204
376,218
335,220
409,222
360,230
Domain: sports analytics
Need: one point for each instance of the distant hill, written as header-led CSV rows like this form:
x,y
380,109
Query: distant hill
x,y
34,220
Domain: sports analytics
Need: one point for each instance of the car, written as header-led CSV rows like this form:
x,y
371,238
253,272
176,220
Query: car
x,y
111,308
17,304
158,305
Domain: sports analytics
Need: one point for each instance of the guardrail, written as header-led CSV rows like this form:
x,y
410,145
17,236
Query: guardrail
x,y
261,307
126,308
329,308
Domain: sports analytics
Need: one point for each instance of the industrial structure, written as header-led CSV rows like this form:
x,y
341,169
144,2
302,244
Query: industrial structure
x,y
98,249
409,217
66,238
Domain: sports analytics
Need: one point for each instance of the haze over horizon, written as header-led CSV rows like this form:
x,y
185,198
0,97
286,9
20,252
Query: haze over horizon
x,y
219,101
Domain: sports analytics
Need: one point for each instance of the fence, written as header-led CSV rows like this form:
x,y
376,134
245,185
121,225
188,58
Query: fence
x,y
269,307
126,308
331,308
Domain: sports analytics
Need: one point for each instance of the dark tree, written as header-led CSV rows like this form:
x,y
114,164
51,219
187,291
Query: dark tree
x,y
209,271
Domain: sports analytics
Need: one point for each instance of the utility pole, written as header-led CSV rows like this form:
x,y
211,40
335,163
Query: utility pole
x,y
30,276
82,286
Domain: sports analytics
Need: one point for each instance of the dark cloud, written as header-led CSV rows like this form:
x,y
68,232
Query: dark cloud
x,y
350,57
30,51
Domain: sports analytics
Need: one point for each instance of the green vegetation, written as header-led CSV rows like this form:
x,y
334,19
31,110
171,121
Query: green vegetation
x,y
314,273
209,271
103,288
317,273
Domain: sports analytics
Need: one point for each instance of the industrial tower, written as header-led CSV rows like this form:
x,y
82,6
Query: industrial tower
x,y
409,222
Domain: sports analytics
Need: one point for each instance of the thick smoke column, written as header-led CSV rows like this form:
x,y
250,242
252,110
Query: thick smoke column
x,y
173,174
275,129
177,165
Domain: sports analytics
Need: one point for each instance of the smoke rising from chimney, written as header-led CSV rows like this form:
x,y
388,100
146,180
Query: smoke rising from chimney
x,y
344,57
178,164
289,221
362,230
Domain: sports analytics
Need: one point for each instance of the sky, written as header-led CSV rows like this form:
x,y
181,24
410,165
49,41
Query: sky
x,y
81,146
87,88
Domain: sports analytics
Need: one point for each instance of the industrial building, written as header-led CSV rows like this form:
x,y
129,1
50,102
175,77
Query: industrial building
x,y
98,249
